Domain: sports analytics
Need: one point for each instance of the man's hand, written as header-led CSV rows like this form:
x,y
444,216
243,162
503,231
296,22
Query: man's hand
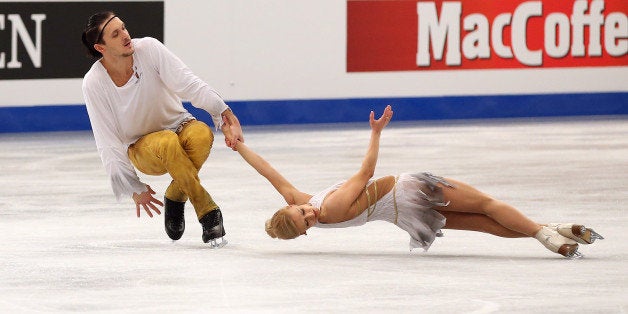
x,y
146,199
231,129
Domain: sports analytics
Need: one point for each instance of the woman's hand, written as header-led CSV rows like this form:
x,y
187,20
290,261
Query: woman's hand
x,y
379,124
231,129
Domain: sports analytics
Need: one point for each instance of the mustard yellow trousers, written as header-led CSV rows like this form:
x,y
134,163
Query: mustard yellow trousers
x,y
181,155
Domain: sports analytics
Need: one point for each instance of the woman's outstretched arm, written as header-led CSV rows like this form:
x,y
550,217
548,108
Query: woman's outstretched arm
x,y
283,186
338,203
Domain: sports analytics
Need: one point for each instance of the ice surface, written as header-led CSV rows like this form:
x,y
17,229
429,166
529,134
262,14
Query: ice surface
x,y
67,246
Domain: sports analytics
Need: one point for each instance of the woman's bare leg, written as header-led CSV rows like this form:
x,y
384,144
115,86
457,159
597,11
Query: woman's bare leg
x,y
464,198
478,222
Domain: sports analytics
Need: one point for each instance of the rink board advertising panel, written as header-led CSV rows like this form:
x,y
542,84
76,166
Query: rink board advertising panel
x,y
472,34
40,40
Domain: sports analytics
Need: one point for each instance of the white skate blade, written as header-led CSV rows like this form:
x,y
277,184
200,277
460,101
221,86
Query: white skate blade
x,y
575,255
589,236
217,243
595,235
578,233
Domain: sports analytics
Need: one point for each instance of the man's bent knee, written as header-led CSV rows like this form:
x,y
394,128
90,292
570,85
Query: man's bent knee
x,y
198,134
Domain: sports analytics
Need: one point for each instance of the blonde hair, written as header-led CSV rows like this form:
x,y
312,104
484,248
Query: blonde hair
x,y
281,225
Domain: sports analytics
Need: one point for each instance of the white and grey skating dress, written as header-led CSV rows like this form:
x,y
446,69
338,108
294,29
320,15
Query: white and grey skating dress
x,y
409,205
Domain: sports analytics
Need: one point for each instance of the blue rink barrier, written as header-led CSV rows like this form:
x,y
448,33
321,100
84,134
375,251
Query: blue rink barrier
x,y
300,111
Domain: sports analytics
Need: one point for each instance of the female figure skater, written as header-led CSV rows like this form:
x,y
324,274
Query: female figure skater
x,y
420,203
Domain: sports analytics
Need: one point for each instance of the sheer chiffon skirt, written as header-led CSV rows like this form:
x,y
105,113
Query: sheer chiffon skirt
x,y
411,206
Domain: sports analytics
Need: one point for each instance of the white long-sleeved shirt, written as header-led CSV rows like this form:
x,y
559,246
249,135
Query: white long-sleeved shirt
x,y
150,101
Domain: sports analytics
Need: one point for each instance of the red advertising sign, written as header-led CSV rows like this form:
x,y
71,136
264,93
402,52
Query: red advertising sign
x,y
406,35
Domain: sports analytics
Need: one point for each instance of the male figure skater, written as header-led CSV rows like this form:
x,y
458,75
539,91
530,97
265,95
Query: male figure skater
x,y
133,96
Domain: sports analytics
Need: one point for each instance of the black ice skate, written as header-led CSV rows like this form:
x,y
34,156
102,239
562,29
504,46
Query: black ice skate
x,y
213,229
174,219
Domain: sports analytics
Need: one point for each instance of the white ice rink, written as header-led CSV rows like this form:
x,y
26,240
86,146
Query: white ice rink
x,y
67,246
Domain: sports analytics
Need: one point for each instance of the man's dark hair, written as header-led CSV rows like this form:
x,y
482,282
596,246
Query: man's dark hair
x,y
92,35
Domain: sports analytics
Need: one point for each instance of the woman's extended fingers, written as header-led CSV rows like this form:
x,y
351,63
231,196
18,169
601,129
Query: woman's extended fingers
x,y
388,113
383,119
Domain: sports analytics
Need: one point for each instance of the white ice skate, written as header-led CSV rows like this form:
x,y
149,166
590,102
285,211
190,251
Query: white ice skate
x,y
578,233
557,243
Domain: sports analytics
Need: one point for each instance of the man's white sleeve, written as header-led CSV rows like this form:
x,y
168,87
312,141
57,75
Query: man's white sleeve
x,y
180,79
113,152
